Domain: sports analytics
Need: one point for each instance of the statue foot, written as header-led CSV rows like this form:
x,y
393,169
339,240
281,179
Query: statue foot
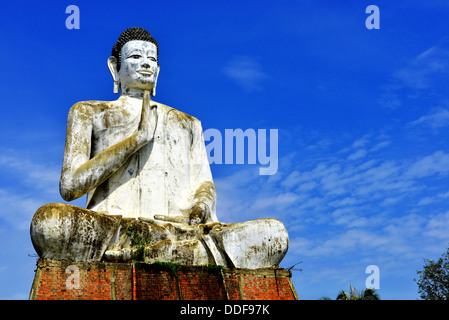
x,y
161,251
121,255
187,252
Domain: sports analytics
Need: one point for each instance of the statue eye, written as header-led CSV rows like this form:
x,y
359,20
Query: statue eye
x,y
135,56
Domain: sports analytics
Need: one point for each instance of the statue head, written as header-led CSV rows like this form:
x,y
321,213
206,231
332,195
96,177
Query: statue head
x,y
134,61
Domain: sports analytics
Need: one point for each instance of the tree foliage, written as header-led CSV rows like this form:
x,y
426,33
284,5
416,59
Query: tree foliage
x,y
433,282
354,294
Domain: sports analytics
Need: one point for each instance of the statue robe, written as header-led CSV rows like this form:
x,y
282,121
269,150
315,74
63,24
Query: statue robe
x,y
165,177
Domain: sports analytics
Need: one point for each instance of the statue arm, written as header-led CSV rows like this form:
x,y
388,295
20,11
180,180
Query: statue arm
x,y
201,177
80,173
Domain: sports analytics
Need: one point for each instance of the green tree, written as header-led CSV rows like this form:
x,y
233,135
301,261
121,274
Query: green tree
x,y
354,294
433,282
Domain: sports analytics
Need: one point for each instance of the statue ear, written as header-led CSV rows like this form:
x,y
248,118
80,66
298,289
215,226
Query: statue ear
x,y
153,92
112,65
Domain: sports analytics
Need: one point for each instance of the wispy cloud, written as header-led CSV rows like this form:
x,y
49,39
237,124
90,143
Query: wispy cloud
x,y
420,75
438,118
436,163
348,201
17,209
28,173
361,153
246,71
29,185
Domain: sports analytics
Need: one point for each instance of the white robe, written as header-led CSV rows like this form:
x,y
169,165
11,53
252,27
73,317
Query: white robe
x,y
163,176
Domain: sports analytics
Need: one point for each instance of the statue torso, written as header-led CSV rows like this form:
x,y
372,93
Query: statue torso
x,y
157,178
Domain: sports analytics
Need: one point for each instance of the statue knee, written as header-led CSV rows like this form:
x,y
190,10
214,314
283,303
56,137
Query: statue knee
x,y
66,232
253,244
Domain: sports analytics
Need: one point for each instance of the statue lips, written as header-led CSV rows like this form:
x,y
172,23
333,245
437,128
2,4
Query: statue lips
x,y
145,72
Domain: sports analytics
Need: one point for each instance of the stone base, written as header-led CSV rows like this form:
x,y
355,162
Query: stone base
x,y
66,280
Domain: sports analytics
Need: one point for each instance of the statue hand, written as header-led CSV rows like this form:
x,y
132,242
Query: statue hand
x,y
148,121
175,219
198,214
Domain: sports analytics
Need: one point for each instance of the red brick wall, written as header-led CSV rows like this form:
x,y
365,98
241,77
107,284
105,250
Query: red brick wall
x,y
156,285
200,285
96,281
262,287
128,281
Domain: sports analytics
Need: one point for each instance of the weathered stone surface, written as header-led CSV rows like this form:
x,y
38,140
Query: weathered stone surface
x,y
262,242
60,232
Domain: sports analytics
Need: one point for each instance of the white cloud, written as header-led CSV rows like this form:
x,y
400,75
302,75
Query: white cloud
x,y
438,226
293,179
361,153
30,174
280,201
419,76
343,202
444,195
380,145
246,72
437,119
360,142
436,163
391,201
18,209
26,186
339,206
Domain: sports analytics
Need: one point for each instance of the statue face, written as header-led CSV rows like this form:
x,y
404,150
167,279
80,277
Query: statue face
x,y
139,68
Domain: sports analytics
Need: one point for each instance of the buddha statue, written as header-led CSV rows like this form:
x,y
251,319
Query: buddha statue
x,y
144,168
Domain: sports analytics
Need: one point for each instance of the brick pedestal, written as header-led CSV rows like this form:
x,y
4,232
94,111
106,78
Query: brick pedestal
x,y
56,280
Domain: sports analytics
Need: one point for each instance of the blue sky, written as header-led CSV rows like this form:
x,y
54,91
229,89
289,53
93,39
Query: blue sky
x,y
362,118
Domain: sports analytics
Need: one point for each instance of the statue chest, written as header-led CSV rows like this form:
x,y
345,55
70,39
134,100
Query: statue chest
x,y
172,135
157,176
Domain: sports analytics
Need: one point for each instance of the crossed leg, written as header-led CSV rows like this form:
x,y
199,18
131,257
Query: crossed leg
x,y
65,232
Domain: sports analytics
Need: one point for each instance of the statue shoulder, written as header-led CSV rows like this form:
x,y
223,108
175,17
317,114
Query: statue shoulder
x,y
90,107
179,115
